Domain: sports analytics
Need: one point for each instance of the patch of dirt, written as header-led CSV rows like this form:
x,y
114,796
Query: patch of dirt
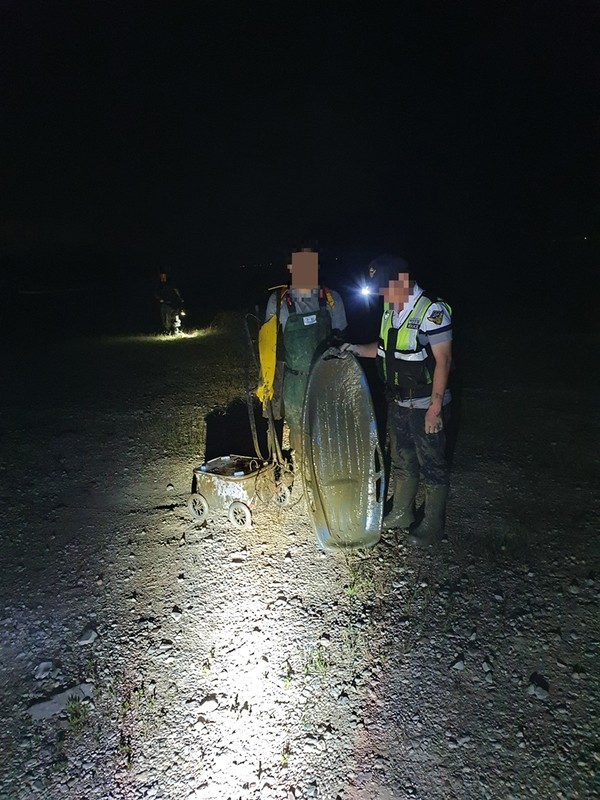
x,y
249,664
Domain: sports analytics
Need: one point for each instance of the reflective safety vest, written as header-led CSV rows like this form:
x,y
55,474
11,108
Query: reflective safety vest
x,y
404,364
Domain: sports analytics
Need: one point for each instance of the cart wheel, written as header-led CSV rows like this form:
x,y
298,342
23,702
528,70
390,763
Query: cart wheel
x,y
198,507
281,495
240,515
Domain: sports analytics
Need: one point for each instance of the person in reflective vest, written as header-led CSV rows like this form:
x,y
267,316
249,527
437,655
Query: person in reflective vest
x,y
310,316
414,356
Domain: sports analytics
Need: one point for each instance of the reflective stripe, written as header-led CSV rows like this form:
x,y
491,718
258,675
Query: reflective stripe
x,y
402,360
421,355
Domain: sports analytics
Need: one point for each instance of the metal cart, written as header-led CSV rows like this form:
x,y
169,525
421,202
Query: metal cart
x,y
237,483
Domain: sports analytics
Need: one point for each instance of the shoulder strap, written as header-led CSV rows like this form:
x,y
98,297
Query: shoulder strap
x,y
325,295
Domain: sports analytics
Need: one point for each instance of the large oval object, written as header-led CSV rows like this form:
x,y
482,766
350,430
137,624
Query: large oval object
x,y
342,464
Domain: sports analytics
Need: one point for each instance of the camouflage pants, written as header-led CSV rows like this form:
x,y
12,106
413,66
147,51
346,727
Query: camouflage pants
x,y
413,451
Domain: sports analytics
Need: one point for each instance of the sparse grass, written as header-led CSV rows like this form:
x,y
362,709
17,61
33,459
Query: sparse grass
x,y
507,540
316,661
360,582
59,761
410,598
59,764
287,678
354,639
90,670
208,662
125,748
359,585
133,698
285,755
77,713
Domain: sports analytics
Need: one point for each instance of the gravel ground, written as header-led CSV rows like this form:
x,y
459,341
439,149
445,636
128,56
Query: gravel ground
x,y
147,656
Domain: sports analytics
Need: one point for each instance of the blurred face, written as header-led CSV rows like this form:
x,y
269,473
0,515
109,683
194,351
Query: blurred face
x,y
305,270
397,291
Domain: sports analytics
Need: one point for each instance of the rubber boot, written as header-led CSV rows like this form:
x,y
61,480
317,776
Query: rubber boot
x,y
402,512
431,527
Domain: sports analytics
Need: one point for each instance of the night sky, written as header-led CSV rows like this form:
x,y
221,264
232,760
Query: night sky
x,y
200,137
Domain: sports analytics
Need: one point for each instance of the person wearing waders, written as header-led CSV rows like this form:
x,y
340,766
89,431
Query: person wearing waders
x,y
414,355
311,317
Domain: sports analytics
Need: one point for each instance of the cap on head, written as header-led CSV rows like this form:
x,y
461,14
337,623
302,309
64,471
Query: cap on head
x,y
386,266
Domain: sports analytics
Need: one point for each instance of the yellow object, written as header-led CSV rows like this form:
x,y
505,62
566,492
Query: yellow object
x,y
267,355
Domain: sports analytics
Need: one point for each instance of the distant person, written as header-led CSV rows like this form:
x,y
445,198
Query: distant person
x,y
171,302
310,316
414,354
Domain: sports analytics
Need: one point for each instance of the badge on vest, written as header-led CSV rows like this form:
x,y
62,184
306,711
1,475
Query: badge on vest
x,y
436,317
311,319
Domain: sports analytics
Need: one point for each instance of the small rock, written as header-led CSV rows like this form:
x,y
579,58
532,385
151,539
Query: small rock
x,y
578,672
88,636
170,487
538,686
458,663
176,613
43,670
209,704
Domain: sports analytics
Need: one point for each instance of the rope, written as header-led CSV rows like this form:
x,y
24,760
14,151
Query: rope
x,y
249,394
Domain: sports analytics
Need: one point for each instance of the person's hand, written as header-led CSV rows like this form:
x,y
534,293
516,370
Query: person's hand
x,y
346,347
433,420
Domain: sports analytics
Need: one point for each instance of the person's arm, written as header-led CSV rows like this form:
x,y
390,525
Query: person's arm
x,y
271,306
361,350
442,353
338,313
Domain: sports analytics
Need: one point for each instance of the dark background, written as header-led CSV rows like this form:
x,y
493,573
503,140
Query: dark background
x,y
211,139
